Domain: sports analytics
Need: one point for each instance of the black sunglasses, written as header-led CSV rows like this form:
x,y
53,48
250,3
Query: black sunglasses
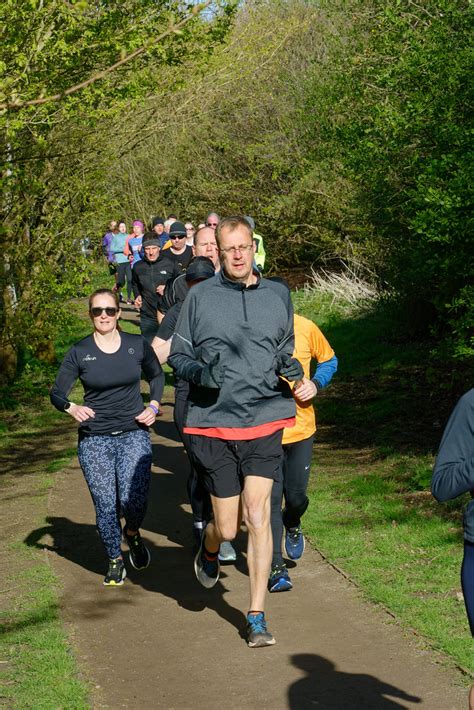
x,y
110,311
177,236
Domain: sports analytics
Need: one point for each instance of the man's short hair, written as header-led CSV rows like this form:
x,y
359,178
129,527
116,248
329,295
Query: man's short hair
x,y
230,224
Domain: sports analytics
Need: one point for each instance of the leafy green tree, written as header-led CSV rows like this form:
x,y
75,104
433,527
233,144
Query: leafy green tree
x,y
406,140
69,69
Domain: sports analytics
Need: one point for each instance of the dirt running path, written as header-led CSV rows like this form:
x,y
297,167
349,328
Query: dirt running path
x,y
162,641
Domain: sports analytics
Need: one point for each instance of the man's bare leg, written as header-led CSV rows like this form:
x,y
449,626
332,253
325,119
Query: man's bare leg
x,y
256,514
226,522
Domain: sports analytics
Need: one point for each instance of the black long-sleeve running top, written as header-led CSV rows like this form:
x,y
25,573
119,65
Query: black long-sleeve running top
x,y
111,382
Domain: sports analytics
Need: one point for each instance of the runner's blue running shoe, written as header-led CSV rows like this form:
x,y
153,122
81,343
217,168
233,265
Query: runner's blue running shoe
x,y
257,632
294,543
279,580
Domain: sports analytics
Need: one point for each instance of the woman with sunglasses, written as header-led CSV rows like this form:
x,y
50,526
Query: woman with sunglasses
x,y
114,443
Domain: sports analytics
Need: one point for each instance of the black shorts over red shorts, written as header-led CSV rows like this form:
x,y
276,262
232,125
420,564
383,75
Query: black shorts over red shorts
x,y
224,463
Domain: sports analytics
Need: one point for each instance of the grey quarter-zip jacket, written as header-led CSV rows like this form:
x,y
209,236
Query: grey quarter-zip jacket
x,y
250,327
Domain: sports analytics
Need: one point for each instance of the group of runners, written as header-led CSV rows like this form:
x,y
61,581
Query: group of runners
x,y
243,405
244,390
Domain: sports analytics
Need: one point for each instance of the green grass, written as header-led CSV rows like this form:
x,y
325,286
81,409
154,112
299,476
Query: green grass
x,y
39,669
401,552
41,672
371,511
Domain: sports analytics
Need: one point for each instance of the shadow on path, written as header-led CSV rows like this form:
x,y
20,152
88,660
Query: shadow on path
x,y
329,689
171,571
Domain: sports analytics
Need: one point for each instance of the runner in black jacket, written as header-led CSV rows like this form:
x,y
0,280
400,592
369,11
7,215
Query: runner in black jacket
x,y
149,277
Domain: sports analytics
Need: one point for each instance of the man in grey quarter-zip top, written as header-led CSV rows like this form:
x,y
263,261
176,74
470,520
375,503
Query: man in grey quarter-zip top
x,y
233,340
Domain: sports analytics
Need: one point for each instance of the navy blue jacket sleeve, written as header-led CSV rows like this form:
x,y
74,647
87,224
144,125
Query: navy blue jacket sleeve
x,y
453,473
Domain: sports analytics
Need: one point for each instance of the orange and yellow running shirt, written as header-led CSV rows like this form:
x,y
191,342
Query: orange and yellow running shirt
x,y
310,344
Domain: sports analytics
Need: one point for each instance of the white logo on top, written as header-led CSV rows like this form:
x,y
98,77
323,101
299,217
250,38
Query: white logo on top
x,y
88,358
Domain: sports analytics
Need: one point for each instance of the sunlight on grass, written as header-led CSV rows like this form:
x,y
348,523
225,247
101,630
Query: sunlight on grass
x,y
404,557
371,511
43,670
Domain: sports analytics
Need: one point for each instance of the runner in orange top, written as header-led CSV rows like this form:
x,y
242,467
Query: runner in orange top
x,y
310,344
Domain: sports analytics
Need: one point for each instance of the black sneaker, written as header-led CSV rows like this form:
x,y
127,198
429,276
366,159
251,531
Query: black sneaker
x,y
257,632
207,571
116,573
139,554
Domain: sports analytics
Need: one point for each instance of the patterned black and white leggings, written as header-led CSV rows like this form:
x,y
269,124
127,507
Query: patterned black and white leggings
x,y
117,470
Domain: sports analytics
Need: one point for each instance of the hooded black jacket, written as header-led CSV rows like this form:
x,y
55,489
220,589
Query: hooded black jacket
x,y
147,275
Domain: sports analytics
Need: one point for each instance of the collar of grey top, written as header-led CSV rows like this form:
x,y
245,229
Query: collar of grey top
x,y
237,285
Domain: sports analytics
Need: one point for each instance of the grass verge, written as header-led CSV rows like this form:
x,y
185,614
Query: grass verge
x,y
38,666
371,510
41,669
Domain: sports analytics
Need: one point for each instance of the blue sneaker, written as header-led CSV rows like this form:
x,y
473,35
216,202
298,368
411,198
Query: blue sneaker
x,y
207,571
227,552
279,579
257,632
294,543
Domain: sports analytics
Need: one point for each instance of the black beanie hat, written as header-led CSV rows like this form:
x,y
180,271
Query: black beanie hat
x,y
177,229
157,220
200,268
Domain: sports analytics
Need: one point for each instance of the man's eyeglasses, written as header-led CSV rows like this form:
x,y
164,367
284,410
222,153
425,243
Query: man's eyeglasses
x,y
234,250
96,311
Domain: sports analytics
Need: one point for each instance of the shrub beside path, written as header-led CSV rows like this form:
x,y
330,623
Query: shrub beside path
x,y
163,641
